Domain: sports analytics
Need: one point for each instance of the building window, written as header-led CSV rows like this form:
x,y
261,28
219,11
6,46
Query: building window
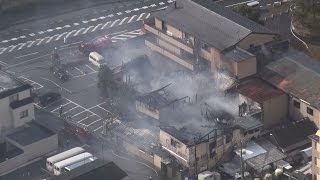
x,y
14,97
315,160
296,104
310,111
205,47
23,114
174,143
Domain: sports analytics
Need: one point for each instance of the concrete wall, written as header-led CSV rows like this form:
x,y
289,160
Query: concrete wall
x,y
298,113
21,121
255,39
31,152
143,108
6,122
246,68
175,32
157,161
181,149
137,152
275,110
24,94
169,46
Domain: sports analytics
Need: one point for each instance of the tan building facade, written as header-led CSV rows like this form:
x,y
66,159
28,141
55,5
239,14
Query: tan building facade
x,y
197,48
315,168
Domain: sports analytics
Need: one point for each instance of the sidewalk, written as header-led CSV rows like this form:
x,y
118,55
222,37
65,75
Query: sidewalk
x,y
46,9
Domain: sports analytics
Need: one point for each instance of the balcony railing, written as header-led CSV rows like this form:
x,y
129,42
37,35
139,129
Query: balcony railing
x,y
177,42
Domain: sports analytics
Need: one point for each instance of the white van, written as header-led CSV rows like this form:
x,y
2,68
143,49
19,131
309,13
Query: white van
x,y
96,59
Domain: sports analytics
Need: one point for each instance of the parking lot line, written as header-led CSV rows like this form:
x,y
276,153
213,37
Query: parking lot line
x,y
61,106
79,70
86,118
82,107
94,122
91,68
71,109
98,128
97,105
104,109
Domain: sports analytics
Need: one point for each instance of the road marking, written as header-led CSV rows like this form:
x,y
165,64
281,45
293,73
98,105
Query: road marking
x,y
102,17
136,9
138,19
67,26
51,38
153,5
2,50
62,106
32,34
40,41
12,47
105,25
85,22
79,70
135,32
57,85
91,68
31,43
145,7
122,21
23,37
170,1
4,41
41,32
78,31
161,3
62,47
21,45
14,39
60,36
76,24
132,18
30,60
85,117
147,16
79,113
98,128
95,28
49,30
70,110
3,64
119,13
70,33
93,20
110,15
82,107
27,54
114,22
94,122
238,3
118,38
128,11
127,35
84,32
58,28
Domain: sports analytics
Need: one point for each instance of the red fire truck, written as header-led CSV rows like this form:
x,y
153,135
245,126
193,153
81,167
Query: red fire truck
x,y
79,131
97,45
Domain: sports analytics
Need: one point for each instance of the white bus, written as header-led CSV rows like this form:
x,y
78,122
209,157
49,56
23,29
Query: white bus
x,y
253,4
59,166
78,164
62,156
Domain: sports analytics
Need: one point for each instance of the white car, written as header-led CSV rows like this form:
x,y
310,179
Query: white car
x,y
96,59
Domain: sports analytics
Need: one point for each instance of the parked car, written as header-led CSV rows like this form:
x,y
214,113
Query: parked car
x,y
49,98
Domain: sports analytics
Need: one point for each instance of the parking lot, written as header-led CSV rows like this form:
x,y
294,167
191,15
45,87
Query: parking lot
x,y
36,86
91,117
82,70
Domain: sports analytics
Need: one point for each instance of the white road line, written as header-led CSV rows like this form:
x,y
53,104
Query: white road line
x,y
79,70
161,3
82,108
21,45
2,50
102,17
57,85
91,68
84,32
153,5
4,41
70,33
79,113
170,1
14,39
49,30
122,21
94,122
136,9
114,22
128,11
139,18
127,35
93,20
60,36
105,25
110,15
95,28
58,28
238,3
50,39
105,109
71,109
98,128
147,16
135,32
42,40
32,34
132,18
97,105
27,54
30,43
23,37
76,34
145,7
119,13
67,26
85,117
62,106
40,32
76,24
3,63
12,48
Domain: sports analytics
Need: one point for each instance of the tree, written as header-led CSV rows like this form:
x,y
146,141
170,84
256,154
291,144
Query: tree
x,y
249,12
106,81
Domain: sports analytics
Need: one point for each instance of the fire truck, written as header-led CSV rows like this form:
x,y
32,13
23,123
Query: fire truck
x,y
78,130
96,45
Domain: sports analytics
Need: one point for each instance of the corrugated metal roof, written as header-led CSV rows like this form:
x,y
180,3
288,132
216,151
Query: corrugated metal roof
x,y
257,90
214,24
296,75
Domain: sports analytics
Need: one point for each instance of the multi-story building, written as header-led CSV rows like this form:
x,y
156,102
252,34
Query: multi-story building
x,y
315,167
16,104
201,35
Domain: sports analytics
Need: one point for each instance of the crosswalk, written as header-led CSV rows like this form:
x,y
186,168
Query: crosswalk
x,y
84,22
77,32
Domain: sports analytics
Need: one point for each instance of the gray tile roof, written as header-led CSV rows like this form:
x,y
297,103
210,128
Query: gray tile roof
x,y
296,74
215,25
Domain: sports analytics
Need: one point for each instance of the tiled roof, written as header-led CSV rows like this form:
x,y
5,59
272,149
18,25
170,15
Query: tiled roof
x,y
257,90
296,74
215,25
